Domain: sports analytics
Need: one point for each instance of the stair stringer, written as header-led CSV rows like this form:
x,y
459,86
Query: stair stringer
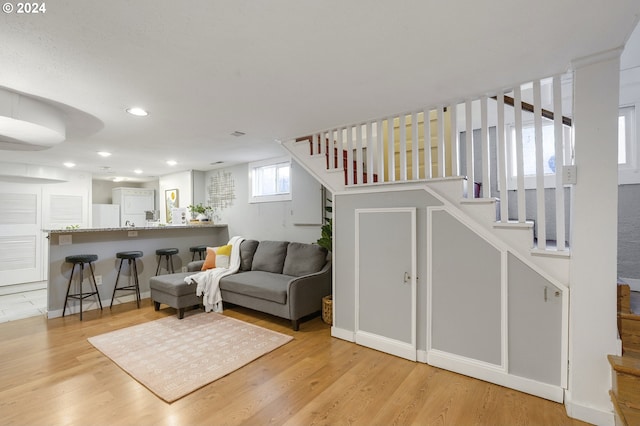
x,y
518,236
316,165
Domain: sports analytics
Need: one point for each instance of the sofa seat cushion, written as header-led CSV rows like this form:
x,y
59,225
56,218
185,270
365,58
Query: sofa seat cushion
x,y
259,284
269,256
173,284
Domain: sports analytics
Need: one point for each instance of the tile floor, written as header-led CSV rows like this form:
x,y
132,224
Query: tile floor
x,y
23,305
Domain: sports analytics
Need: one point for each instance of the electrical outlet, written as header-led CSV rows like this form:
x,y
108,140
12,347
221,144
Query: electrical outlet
x,y
132,234
98,279
184,269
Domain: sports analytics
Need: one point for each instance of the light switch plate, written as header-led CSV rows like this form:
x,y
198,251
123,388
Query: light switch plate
x,y
569,175
132,234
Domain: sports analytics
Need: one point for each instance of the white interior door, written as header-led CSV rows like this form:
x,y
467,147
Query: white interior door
x,y
21,236
386,280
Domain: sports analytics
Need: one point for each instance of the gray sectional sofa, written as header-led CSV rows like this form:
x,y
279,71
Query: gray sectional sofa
x,y
281,278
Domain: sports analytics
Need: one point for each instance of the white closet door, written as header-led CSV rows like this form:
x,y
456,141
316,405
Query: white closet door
x,y
386,280
21,236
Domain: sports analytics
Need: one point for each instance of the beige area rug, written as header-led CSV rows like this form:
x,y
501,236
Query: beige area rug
x,y
173,357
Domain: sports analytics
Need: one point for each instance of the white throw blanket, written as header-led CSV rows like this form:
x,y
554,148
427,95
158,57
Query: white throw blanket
x,y
208,282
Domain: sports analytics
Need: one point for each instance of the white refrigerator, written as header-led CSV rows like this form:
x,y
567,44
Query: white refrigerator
x,y
134,203
105,216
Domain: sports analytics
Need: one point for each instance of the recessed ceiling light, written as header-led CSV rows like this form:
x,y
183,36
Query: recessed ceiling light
x,y
137,111
118,179
104,153
238,133
137,171
69,164
172,162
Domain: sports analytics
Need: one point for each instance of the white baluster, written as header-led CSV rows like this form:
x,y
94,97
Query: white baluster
x,y
390,149
350,155
428,162
522,212
455,148
484,120
559,161
402,125
540,207
370,151
471,186
359,158
380,152
502,160
441,153
415,147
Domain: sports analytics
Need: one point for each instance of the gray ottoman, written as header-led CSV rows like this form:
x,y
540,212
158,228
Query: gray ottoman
x,y
173,291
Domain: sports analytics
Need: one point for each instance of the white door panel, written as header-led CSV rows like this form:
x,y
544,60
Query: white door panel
x,y
21,236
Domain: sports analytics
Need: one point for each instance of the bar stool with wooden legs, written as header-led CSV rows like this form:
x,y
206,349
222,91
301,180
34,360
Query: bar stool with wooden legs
x,y
130,257
80,260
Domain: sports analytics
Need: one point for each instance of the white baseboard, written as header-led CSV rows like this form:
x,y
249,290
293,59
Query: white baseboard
x,y
494,375
74,307
21,288
390,346
343,334
634,283
588,414
422,356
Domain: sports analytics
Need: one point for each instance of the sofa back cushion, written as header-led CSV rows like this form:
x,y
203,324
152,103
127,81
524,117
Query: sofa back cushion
x,y
269,256
303,259
247,251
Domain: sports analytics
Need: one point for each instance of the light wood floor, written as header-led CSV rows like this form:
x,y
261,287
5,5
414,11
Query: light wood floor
x,y
51,375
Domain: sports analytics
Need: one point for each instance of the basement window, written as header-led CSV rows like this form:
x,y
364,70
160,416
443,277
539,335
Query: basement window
x,y
270,180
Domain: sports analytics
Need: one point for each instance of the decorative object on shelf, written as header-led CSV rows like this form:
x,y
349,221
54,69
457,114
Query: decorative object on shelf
x,y
326,236
172,201
200,212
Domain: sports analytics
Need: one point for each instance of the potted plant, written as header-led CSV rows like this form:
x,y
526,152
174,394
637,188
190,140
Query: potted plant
x,y
326,232
326,241
199,212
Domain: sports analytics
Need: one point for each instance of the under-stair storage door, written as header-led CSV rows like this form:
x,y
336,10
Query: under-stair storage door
x,y
386,280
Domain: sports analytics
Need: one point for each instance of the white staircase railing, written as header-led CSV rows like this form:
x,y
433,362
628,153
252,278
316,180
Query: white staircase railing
x,y
512,144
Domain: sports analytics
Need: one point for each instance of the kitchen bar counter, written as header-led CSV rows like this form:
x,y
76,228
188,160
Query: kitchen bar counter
x,y
133,228
106,242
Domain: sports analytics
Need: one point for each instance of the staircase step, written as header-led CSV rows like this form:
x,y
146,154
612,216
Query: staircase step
x,y
629,329
626,384
625,415
624,298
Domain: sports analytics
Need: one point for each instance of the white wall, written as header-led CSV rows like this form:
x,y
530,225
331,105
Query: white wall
x,y
261,221
183,182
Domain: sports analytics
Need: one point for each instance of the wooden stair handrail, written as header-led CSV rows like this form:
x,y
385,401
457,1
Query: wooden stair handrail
x,y
508,100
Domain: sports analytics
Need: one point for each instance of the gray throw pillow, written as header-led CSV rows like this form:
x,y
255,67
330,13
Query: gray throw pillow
x,y
303,259
247,250
270,256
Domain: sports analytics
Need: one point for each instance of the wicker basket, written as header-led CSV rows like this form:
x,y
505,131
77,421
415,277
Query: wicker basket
x,y
327,309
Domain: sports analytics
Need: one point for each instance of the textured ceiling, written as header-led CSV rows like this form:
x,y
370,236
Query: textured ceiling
x,y
274,69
